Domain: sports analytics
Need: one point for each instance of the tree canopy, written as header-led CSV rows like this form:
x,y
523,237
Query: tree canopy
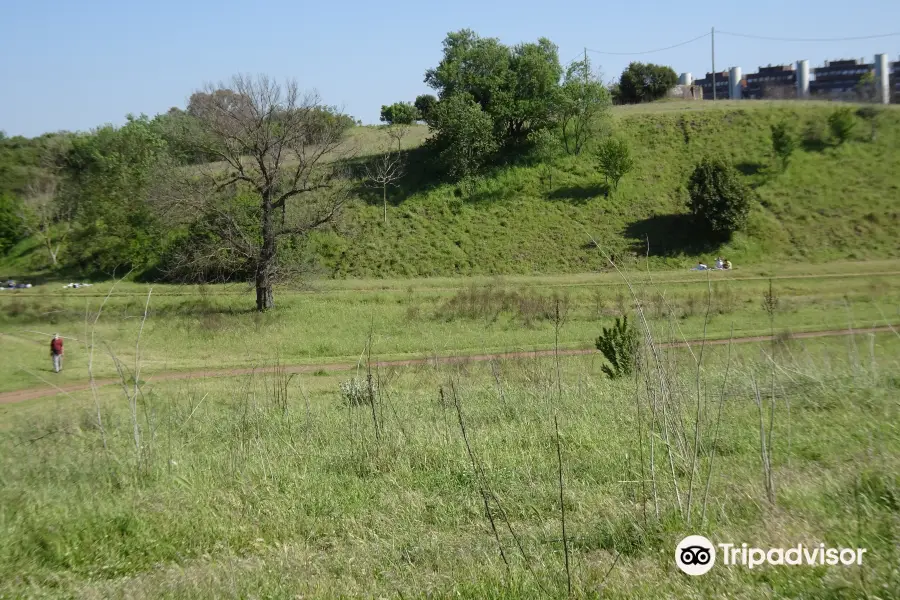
x,y
645,82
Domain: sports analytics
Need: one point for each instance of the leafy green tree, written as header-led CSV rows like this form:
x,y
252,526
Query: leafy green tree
x,y
400,113
109,175
866,87
514,86
425,104
582,106
645,82
620,345
719,200
842,122
464,136
615,160
784,142
535,73
11,227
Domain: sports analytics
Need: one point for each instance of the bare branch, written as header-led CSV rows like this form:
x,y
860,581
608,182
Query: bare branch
x,y
277,144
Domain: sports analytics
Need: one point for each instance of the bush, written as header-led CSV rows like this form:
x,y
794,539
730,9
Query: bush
x,y
615,160
841,122
783,143
400,113
464,135
425,105
358,392
619,344
719,200
642,82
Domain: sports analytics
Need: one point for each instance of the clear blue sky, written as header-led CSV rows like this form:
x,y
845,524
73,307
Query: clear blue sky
x,y
73,65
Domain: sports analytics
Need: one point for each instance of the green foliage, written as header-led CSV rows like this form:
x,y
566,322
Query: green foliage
x,y
464,137
866,87
514,86
400,113
425,105
545,146
719,200
783,142
645,82
200,254
619,344
177,128
583,104
614,160
11,226
842,122
109,174
24,159
870,113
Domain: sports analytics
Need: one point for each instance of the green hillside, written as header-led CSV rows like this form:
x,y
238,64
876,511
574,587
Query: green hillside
x,y
832,202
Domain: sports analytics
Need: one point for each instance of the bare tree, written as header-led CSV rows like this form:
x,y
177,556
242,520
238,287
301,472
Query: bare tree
x,y
385,170
277,145
42,216
397,133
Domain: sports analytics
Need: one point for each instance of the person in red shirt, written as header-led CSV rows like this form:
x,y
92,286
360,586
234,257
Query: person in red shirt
x,y
56,352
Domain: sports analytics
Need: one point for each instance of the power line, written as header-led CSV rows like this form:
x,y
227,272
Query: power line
x,y
699,37
838,39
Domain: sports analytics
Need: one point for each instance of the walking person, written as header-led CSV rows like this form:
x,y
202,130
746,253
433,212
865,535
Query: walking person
x,y
56,352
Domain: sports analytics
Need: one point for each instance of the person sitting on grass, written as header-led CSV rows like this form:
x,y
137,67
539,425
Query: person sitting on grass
x,y
56,352
700,267
727,266
720,264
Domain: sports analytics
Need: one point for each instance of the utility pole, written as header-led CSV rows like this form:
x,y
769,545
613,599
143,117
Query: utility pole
x,y
713,31
585,66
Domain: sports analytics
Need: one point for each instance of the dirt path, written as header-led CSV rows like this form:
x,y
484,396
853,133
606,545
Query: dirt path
x,y
50,390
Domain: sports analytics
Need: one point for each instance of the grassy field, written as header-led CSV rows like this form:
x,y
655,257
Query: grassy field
x,y
270,486
191,328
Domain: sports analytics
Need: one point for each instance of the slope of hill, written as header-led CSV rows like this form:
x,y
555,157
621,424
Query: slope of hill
x,y
832,202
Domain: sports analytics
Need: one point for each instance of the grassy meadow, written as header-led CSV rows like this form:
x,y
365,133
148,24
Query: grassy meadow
x,y
448,483
215,327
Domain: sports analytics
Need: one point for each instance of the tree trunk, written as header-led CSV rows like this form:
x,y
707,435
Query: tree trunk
x,y
264,296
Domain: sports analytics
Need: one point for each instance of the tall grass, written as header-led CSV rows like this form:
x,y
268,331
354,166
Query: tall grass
x,y
518,478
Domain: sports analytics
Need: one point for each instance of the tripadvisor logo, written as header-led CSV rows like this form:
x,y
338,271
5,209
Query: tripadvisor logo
x,y
696,555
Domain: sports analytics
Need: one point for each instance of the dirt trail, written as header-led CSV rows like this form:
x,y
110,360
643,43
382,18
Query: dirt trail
x,y
50,390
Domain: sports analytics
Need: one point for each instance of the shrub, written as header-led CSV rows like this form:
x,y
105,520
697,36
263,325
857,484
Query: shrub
x,y
619,344
841,122
358,392
615,160
870,114
642,82
719,201
783,143
425,104
464,135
